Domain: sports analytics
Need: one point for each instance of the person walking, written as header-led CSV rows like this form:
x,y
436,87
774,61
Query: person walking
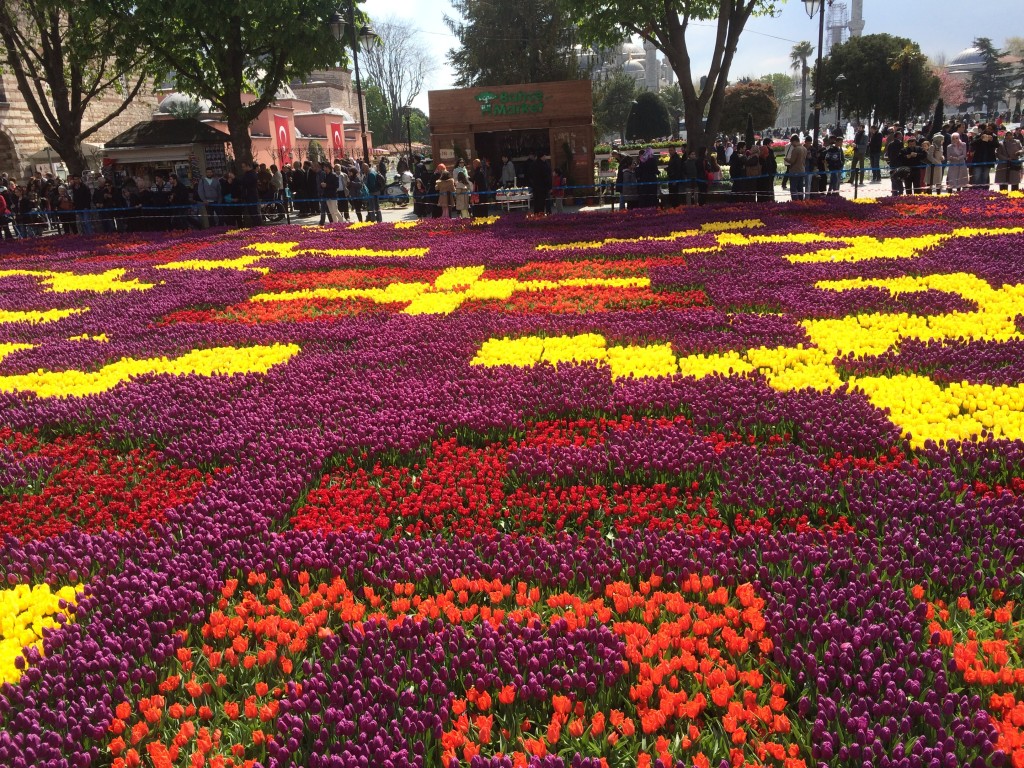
x,y
331,194
356,192
375,185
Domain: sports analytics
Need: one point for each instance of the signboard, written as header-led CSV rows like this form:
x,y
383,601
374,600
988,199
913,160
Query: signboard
x,y
497,103
216,159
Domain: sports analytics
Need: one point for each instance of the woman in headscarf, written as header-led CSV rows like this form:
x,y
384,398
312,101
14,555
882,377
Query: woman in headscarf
x,y
956,164
647,178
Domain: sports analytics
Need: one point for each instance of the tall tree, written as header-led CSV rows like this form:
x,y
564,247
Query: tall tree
x,y
398,65
880,70
751,101
665,23
951,88
505,43
799,56
60,55
613,99
235,54
781,83
648,119
988,87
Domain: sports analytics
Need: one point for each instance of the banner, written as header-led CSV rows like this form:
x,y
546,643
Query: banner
x,y
337,139
284,142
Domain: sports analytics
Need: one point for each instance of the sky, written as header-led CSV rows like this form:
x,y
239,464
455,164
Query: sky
x,y
941,27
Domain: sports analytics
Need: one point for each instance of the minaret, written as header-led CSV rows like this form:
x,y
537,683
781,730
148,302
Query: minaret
x,y
856,25
651,68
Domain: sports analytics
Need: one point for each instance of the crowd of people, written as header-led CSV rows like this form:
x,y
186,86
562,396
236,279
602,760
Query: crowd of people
x,y
478,189
950,158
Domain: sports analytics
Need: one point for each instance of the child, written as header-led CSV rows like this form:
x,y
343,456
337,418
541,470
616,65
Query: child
x,y
445,188
462,193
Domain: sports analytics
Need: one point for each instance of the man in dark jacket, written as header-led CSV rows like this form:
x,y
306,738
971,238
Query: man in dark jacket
x,y
675,176
540,184
894,157
915,158
250,194
875,153
81,195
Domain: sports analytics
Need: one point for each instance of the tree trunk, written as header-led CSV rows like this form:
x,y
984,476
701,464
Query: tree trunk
x,y
241,142
694,118
73,156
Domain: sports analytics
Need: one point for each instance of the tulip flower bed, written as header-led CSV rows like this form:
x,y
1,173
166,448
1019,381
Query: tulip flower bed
x,y
731,487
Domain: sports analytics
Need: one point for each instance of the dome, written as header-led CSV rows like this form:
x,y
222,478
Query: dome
x,y
968,60
632,49
183,102
633,68
285,92
345,116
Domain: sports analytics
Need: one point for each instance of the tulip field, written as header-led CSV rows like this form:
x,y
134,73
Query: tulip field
x,y
737,486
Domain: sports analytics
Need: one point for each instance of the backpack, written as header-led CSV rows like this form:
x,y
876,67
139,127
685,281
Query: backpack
x,y
377,184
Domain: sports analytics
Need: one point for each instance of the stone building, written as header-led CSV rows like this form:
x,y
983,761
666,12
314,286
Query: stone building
x,y
20,137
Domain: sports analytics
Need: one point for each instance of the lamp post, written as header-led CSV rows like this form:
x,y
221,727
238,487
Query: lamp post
x,y
366,36
407,114
812,6
840,82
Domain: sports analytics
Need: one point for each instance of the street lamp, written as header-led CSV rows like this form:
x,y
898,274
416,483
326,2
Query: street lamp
x,y
812,6
407,114
365,36
840,82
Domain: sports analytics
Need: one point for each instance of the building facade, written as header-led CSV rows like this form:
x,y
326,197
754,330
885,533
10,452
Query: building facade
x,y
20,137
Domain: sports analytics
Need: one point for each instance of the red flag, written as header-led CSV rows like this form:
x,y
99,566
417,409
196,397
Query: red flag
x,y
337,138
284,134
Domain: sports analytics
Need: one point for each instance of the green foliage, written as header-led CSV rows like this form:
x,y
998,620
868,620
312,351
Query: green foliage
x,y
223,49
378,113
63,60
883,72
612,101
665,24
744,101
648,119
315,152
988,87
507,43
782,84
672,97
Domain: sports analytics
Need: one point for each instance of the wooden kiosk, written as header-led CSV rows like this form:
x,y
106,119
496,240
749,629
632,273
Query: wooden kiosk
x,y
555,119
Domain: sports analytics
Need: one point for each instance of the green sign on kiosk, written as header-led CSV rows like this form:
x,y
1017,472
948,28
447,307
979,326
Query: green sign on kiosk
x,y
511,102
